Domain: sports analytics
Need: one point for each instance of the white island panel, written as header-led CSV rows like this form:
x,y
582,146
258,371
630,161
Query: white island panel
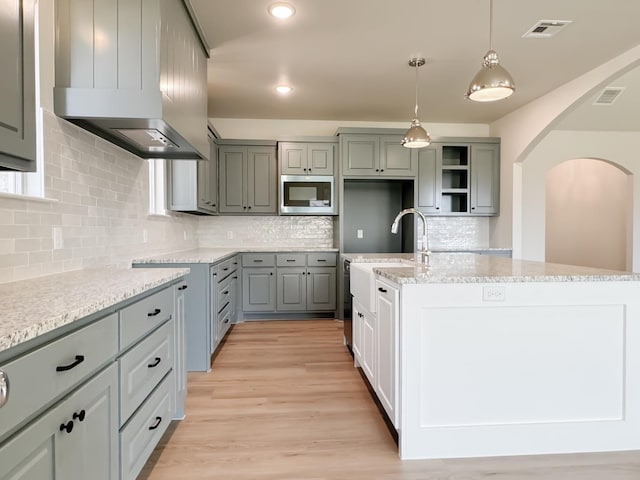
x,y
548,368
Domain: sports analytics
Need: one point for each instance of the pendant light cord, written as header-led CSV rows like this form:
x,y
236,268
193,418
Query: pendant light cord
x,y
490,24
416,109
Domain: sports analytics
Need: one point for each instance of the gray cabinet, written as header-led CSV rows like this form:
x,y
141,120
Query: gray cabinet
x,y
247,179
485,179
17,77
459,178
289,282
298,158
193,185
376,155
76,440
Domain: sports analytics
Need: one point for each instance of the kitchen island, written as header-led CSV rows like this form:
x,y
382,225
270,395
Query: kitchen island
x,y
478,355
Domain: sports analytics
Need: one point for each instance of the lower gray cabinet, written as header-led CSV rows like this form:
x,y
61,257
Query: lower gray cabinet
x,y
289,282
259,289
76,440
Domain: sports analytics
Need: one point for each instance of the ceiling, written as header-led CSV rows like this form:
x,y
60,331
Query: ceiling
x,y
348,59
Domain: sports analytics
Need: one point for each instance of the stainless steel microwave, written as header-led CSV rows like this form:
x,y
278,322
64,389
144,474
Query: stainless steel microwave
x,y
307,195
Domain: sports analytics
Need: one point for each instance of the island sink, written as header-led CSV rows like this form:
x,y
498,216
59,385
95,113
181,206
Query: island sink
x,y
363,281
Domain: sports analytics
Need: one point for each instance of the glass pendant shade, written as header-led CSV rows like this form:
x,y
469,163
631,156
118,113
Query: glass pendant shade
x,y
492,82
416,136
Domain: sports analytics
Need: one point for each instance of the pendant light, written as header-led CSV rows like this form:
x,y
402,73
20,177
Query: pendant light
x,y
416,136
492,82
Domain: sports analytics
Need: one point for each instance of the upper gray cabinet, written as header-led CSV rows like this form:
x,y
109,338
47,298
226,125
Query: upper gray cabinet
x,y
248,180
134,72
17,77
459,178
298,158
376,155
193,185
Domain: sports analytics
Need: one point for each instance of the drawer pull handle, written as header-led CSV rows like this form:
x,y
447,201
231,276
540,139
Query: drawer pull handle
x,y
155,363
290,260
383,290
68,427
225,268
80,416
322,260
183,287
4,388
226,292
257,260
157,424
226,321
154,313
235,278
79,359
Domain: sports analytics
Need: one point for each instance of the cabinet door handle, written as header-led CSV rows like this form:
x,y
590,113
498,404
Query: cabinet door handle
x,y
226,292
249,207
225,268
383,290
382,169
4,388
270,273
68,427
154,313
63,368
183,287
235,278
155,363
213,204
157,424
80,416
226,321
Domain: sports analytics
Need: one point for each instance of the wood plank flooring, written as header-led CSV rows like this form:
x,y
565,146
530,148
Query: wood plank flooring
x,y
283,401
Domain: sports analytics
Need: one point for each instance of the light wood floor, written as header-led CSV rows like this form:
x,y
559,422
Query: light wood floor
x,y
283,401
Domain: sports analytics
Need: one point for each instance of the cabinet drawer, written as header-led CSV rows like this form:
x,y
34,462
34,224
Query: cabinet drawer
x,y
37,378
291,259
226,292
141,435
226,268
324,259
143,316
142,367
259,260
224,321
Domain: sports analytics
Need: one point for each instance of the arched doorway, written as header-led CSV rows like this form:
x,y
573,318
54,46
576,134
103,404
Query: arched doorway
x,y
588,209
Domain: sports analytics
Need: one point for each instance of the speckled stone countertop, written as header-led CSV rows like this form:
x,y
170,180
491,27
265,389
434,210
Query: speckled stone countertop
x,y
213,255
33,307
474,268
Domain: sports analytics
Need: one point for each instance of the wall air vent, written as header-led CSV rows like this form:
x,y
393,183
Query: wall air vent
x,y
608,95
546,28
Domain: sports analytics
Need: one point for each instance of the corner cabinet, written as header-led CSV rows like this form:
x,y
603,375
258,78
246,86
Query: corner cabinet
x,y
193,184
17,77
459,178
371,155
248,182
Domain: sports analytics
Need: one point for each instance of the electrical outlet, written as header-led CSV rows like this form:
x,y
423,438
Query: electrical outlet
x,y
360,233
493,294
229,235
58,241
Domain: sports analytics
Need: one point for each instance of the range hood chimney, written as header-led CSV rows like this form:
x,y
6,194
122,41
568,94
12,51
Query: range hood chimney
x,y
135,73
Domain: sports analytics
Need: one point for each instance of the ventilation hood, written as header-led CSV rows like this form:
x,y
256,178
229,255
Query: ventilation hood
x,y
135,73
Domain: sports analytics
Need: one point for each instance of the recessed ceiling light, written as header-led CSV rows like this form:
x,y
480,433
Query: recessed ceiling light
x,y
283,89
281,10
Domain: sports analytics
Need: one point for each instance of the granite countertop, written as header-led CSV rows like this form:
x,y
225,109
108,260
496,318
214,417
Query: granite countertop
x,y
213,255
474,268
36,306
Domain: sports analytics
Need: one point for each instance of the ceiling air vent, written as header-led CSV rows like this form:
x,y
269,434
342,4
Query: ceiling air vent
x,y
608,95
546,28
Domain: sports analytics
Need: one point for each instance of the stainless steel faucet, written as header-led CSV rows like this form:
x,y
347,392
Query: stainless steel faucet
x,y
424,252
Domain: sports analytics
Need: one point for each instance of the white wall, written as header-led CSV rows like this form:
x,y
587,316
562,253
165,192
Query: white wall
x,y
587,209
263,129
521,130
558,146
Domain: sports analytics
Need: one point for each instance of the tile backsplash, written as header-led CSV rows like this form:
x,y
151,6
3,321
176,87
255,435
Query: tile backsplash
x,y
97,215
